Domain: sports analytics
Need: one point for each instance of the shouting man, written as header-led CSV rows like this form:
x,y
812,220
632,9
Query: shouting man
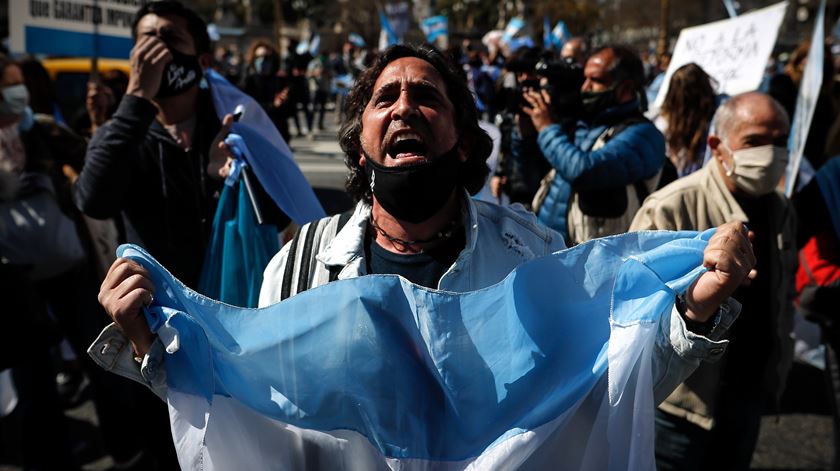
x,y
415,153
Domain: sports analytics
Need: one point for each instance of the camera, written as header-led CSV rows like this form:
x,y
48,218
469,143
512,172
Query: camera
x,y
564,77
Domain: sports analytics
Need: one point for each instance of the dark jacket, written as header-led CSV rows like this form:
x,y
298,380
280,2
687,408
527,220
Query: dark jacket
x,y
635,154
522,163
167,201
263,89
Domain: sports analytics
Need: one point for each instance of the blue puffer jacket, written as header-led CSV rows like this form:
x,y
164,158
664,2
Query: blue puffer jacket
x,y
636,153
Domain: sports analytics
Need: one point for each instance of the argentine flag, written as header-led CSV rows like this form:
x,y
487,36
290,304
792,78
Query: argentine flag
x,y
548,369
387,36
434,27
513,28
560,34
356,40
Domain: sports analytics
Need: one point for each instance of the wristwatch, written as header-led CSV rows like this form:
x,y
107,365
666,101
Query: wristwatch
x,y
700,328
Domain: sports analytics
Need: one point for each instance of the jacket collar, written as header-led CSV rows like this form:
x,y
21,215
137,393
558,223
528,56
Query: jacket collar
x,y
348,244
616,113
728,204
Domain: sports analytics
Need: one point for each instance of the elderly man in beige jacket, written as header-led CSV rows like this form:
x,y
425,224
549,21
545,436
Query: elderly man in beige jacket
x,y
711,421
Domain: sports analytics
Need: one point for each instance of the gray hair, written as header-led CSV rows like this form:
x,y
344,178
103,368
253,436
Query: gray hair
x,y
726,116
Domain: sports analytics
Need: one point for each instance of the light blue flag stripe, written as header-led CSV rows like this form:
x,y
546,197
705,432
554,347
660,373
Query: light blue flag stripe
x,y
315,44
560,34
547,42
434,27
517,43
386,26
266,152
513,28
730,8
424,373
356,39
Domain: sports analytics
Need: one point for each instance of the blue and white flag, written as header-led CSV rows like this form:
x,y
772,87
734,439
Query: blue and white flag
x,y
266,152
548,369
315,44
387,36
518,43
806,102
435,27
356,40
513,28
560,34
547,42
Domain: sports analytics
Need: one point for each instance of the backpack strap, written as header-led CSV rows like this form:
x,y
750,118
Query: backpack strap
x,y
302,264
306,256
286,287
642,191
342,221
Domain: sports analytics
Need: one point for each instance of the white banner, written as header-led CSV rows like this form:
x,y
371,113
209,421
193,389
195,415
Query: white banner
x,y
66,28
733,51
806,103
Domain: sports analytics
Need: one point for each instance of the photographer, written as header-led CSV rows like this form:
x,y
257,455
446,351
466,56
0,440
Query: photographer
x,y
521,165
605,168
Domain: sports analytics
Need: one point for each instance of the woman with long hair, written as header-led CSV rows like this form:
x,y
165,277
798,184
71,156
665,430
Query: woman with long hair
x,y
267,83
685,115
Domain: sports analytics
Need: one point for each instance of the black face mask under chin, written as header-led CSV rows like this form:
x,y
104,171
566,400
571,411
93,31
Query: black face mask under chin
x,y
414,193
183,73
595,103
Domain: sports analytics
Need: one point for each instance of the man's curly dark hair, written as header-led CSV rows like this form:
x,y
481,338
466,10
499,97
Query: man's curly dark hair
x,y
473,172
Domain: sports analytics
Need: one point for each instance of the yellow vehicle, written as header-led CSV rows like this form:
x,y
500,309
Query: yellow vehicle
x,y
70,76
81,65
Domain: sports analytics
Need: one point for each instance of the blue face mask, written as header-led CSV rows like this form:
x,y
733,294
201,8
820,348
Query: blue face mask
x,y
15,99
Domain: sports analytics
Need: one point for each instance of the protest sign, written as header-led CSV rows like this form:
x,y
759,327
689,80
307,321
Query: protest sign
x,y
806,103
734,51
82,28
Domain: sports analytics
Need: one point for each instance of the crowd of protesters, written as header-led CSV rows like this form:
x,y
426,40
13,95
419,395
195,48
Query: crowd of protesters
x,y
574,141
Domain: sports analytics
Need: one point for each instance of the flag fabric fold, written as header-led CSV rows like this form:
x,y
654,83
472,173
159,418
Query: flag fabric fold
x,y
551,367
266,152
239,250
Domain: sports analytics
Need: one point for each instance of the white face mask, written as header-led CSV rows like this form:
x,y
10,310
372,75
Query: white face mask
x,y
757,170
